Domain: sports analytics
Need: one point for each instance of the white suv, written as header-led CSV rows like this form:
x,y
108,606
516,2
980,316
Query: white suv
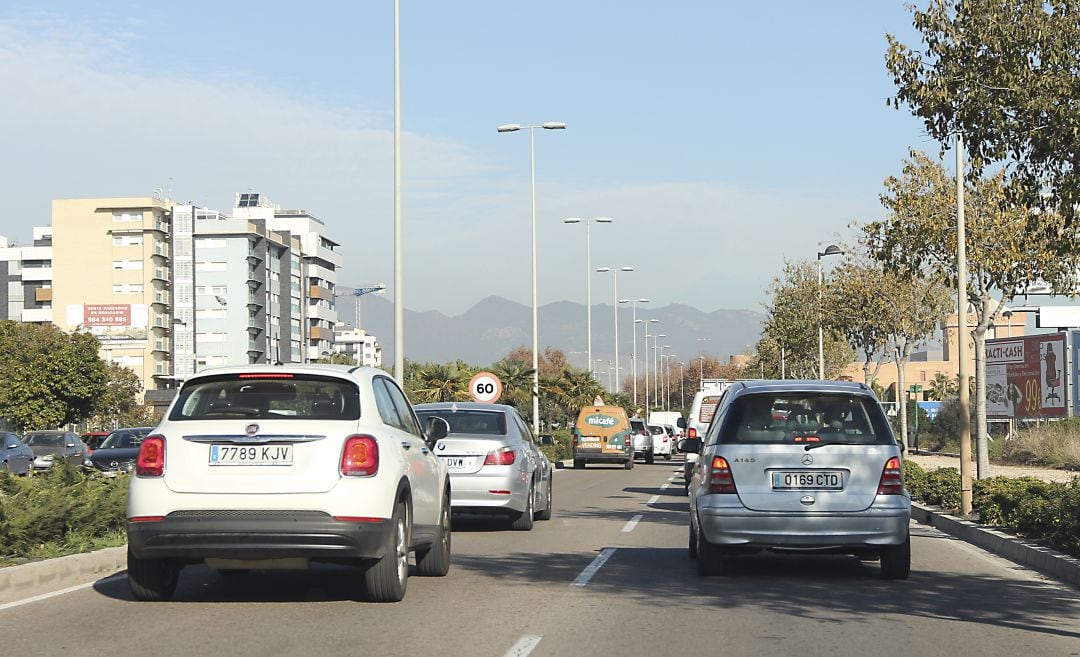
x,y
273,467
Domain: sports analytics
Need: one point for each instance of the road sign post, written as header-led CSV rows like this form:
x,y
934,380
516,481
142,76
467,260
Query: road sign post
x,y
916,388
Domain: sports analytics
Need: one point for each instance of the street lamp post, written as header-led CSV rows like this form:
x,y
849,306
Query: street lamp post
x,y
633,352
682,385
832,249
665,376
615,273
701,371
646,362
514,127
588,279
656,367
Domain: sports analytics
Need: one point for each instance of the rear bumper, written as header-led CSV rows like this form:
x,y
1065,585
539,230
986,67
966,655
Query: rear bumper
x,y
248,535
473,492
884,524
601,457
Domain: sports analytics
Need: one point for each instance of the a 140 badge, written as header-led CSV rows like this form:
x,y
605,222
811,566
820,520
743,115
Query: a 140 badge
x,y
485,387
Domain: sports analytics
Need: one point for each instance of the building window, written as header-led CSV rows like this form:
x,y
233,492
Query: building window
x,y
127,216
135,288
210,266
127,240
127,265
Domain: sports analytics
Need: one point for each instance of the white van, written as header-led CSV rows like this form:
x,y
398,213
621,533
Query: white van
x,y
668,417
701,414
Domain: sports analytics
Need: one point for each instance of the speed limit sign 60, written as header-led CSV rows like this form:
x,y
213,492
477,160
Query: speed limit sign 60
x,y
485,387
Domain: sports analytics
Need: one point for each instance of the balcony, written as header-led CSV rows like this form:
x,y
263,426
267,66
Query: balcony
x,y
320,333
43,294
320,292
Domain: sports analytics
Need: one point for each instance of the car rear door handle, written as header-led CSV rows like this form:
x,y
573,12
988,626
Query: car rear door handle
x,y
405,444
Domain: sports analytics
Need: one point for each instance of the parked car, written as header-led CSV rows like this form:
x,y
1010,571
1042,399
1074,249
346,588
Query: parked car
x,y
827,479
674,435
602,434
495,464
662,443
276,466
119,451
644,445
93,439
52,446
15,456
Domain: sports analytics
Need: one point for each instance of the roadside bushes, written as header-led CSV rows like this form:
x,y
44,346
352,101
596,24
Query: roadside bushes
x,y
1035,509
60,512
561,450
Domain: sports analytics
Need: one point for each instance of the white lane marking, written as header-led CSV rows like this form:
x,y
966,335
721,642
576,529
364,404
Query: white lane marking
x,y
654,499
600,559
524,646
664,486
629,526
53,594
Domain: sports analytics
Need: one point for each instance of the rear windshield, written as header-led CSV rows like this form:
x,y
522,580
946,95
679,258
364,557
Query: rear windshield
x,y
804,418
637,426
708,408
655,430
126,438
276,396
491,423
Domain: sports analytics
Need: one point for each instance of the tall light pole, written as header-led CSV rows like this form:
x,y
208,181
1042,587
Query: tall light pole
x,y
682,385
633,352
514,127
665,376
701,371
615,274
656,366
399,263
646,361
962,335
832,249
588,279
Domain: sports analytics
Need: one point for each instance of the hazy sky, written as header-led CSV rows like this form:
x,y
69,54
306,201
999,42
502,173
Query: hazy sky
x,y
722,137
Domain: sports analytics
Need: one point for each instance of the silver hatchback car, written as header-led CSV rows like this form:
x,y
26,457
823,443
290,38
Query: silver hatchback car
x,y
799,466
494,463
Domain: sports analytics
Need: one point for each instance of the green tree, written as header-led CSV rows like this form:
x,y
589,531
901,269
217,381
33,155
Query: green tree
x,y
942,387
859,297
516,377
51,378
918,238
119,406
1003,73
441,383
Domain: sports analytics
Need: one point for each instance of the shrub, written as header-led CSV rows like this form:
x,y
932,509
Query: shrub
x,y
60,512
1054,444
943,488
561,450
998,499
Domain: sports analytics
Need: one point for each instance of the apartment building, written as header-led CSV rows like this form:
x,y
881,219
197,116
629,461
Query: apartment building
x,y
26,278
316,272
358,345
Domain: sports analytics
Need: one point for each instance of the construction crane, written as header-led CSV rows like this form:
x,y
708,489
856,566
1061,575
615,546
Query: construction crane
x,y
342,291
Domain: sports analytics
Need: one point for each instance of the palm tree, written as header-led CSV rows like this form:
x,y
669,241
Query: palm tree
x,y
439,383
942,387
516,379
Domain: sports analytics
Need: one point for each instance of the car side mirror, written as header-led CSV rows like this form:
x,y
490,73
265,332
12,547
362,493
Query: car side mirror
x,y
436,429
547,439
681,423
690,445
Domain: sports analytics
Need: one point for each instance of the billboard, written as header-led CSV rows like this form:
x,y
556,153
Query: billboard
x,y
1026,377
111,321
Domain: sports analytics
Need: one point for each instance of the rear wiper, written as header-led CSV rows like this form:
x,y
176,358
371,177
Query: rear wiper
x,y
823,443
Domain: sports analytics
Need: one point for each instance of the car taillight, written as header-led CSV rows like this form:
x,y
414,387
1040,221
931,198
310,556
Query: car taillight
x,y
575,437
151,461
720,479
691,433
504,456
892,478
360,458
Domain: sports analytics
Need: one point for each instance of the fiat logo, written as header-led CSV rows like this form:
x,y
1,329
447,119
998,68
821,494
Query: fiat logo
x,y
252,430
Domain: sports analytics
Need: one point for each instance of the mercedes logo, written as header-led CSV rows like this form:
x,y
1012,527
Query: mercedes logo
x,y
807,459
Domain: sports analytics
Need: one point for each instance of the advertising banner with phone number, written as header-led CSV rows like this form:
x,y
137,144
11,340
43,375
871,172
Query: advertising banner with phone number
x,y
1026,377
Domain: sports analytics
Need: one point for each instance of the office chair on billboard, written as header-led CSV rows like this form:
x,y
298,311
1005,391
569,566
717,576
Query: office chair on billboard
x,y
1053,374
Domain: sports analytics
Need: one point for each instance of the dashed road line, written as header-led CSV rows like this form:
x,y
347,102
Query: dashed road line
x,y
524,646
629,526
654,499
599,561
53,594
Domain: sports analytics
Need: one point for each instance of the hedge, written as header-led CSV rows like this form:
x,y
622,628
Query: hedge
x,y
1033,508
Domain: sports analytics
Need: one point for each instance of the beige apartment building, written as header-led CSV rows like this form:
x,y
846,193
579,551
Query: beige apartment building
x,y
111,276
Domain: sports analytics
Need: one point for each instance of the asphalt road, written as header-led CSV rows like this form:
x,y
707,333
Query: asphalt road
x,y
542,593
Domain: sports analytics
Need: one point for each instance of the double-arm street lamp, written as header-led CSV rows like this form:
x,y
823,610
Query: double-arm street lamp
x,y
633,352
615,273
588,279
832,249
646,362
514,127
657,379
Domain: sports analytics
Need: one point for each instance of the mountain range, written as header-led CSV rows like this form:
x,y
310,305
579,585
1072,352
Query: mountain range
x,y
495,326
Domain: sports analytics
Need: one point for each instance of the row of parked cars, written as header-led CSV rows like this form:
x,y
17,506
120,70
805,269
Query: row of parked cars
x,y
37,451
262,467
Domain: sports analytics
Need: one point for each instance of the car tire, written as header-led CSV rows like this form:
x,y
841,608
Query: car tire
x,y
896,561
522,521
4,467
710,560
691,547
629,465
667,457
434,561
579,464
545,514
152,580
650,458
386,579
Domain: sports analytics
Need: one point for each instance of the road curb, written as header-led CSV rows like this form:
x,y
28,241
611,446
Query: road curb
x,y
1026,553
30,579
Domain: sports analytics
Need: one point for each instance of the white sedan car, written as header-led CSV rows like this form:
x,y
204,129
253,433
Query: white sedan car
x,y
274,467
